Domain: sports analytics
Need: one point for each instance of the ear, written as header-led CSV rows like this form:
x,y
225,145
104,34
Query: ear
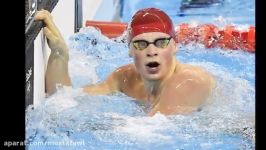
x,y
175,48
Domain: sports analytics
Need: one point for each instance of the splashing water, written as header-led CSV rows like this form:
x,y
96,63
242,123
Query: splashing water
x,y
71,119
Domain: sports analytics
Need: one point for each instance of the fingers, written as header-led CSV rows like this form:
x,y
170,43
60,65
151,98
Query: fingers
x,y
55,40
45,16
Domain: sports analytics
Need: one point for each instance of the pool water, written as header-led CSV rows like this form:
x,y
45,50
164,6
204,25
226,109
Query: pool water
x,y
71,119
236,12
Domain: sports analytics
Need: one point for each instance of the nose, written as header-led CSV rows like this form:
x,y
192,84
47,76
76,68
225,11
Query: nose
x,y
151,51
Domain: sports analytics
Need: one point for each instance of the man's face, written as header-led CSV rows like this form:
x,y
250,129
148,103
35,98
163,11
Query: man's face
x,y
153,62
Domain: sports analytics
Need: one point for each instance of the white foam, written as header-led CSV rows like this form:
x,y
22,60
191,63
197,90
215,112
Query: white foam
x,y
70,113
146,128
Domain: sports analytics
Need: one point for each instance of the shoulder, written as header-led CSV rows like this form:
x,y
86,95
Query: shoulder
x,y
126,78
187,88
193,73
113,81
125,70
124,74
191,70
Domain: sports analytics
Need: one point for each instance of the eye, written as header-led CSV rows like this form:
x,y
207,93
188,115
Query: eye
x,y
140,45
162,43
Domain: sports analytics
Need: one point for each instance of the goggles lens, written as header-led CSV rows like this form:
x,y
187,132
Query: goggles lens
x,y
160,43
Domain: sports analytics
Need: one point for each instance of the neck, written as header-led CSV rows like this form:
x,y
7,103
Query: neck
x,y
154,87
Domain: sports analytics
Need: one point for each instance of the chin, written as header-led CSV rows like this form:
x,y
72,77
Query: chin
x,y
152,77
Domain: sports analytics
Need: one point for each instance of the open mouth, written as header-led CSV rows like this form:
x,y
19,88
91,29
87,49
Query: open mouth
x,y
153,64
152,67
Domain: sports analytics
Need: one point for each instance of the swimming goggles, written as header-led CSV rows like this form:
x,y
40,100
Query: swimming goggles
x,y
160,43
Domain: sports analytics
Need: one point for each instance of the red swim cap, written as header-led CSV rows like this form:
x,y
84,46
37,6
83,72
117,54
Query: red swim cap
x,y
150,20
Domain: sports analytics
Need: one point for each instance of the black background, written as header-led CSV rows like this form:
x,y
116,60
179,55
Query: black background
x,y
13,72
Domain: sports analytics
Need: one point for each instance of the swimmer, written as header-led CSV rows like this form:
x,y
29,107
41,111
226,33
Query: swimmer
x,y
156,76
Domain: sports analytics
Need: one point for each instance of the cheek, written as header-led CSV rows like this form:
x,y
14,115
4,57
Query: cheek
x,y
168,57
138,60
169,54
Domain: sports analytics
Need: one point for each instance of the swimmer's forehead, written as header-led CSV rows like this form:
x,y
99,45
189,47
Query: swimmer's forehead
x,y
150,36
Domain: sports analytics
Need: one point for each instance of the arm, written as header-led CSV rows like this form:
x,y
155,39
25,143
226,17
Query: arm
x,y
110,85
57,68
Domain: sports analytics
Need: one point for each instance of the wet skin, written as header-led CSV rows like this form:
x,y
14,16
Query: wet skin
x,y
156,77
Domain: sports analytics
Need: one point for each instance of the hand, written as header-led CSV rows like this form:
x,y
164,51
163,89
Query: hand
x,y
55,40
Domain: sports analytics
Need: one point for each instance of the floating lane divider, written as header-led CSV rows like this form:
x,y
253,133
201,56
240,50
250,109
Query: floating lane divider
x,y
227,37
109,29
